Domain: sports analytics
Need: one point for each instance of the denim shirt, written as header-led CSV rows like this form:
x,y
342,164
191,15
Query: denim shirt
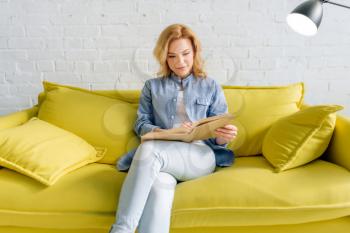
x,y
203,97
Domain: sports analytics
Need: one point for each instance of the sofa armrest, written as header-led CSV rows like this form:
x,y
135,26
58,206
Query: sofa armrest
x,y
17,118
339,149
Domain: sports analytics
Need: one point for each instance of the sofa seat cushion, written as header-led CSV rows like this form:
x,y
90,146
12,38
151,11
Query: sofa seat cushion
x,y
246,194
84,198
251,193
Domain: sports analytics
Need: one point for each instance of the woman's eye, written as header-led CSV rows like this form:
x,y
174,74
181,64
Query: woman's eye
x,y
185,54
171,56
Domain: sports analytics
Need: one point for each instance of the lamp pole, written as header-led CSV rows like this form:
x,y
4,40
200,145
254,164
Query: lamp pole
x,y
334,3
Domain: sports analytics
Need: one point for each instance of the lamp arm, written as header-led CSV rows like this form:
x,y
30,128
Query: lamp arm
x,y
334,3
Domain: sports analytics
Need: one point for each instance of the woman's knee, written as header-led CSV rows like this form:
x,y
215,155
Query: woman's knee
x,y
147,151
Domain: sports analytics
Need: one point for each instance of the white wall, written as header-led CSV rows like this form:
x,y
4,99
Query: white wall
x,y
106,44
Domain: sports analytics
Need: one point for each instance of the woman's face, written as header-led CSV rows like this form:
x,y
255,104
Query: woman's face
x,y
180,57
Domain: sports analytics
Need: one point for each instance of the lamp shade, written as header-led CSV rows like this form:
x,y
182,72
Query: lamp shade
x,y
306,18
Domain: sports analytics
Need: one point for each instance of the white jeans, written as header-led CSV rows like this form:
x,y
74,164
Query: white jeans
x,y
148,190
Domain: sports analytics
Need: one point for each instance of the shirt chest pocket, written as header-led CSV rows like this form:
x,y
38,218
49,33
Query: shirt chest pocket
x,y
202,105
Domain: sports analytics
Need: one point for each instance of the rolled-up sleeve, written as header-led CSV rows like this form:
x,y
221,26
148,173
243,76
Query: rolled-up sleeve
x,y
218,105
145,118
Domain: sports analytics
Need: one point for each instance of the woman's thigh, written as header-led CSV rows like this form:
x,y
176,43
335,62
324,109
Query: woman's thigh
x,y
183,160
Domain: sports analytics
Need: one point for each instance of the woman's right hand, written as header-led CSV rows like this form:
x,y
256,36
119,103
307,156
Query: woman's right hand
x,y
187,125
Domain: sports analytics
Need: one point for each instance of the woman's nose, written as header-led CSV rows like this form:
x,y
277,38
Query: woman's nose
x,y
180,59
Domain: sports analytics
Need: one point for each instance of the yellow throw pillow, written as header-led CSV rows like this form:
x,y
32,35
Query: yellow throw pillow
x,y
256,109
43,151
100,120
300,138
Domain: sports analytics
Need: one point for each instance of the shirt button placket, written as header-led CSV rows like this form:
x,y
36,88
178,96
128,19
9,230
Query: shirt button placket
x,y
172,116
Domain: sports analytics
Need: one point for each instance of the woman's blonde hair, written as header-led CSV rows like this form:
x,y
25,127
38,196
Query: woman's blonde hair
x,y
169,34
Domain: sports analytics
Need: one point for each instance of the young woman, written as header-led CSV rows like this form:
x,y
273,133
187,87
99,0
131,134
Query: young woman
x,y
181,95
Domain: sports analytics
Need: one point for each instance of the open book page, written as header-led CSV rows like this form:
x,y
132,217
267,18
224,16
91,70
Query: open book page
x,y
202,129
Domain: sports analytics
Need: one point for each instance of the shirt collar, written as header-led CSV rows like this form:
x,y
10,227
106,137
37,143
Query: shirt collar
x,y
184,80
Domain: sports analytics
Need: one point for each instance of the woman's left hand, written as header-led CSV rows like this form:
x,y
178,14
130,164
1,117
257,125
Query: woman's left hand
x,y
225,134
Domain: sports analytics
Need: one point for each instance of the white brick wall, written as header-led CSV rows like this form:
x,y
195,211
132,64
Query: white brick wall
x,y
105,44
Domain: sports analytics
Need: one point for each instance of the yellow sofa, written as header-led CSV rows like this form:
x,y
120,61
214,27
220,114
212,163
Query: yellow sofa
x,y
248,197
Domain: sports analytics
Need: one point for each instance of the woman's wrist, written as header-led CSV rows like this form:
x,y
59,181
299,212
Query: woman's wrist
x,y
157,130
220,141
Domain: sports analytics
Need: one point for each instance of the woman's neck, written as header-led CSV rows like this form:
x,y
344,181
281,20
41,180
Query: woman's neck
x,y
181,78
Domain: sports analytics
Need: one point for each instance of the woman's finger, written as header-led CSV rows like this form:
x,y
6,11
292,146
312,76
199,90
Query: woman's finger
x,y
230,134
227,131
229,127
187,124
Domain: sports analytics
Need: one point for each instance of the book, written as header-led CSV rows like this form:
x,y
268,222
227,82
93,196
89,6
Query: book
x,y
201,130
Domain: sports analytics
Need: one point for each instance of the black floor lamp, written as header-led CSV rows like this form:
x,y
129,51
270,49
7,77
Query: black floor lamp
x,y
306,18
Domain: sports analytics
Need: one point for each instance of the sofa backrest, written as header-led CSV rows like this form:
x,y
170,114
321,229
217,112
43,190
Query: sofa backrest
x,y
255,109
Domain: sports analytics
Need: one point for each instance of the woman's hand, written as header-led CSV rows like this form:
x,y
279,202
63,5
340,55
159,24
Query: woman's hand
x,y
187,126
225,134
